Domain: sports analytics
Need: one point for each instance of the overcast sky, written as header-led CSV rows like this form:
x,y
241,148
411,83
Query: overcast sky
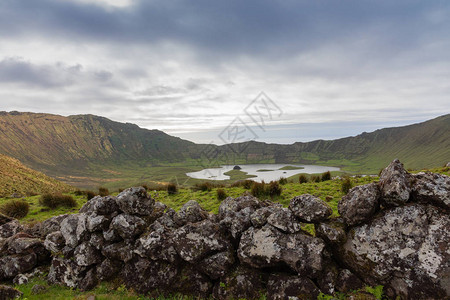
x,y
190,68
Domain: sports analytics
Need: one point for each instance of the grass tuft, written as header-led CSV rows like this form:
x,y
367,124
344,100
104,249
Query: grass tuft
x,y
57,200
15,208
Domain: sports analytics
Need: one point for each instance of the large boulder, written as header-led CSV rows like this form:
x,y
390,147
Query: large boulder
x,y
268,247
395,184
135,201
55,242
195,241
86,255
230,206
235,213
157,243
310,209
127,226
217,265
13,265
283,219
332,231
66,272
261,215
282,286
360,204
242,283
192,282
96,222
406,249
347,281
100,206
108,269
191,212
73,228
431,188
51,225
145,275
118,252
9,229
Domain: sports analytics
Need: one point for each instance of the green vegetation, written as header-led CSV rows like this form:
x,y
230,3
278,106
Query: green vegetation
x,y
206,194
346,185
15,208
99,151
326,176
290,168
57,200
172,189
302,179
102,191
264,170
238,175
116,291
19,179
221,194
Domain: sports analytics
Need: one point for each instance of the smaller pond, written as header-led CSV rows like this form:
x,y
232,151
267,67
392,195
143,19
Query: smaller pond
x,y
266,172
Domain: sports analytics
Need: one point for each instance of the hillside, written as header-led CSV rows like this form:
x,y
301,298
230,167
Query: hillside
x,y
87,150
17,178
419,146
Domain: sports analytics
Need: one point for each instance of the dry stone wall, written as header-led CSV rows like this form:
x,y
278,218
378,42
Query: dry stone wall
x,y
395,233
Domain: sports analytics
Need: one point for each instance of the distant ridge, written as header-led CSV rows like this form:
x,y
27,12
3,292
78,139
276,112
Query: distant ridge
x,y
76,146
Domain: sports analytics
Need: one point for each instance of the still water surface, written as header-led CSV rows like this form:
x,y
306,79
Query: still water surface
x,y
254,169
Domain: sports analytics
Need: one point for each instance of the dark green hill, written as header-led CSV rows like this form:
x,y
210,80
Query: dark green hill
x,y
418,146
87,150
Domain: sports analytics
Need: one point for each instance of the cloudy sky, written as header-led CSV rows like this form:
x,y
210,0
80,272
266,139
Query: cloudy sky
x,y
328,68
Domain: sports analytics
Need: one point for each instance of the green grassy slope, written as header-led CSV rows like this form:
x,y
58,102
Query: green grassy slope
x,y
418,146
16,178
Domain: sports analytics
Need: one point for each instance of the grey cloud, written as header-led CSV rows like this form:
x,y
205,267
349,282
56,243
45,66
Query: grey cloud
x,y
17,70
226,28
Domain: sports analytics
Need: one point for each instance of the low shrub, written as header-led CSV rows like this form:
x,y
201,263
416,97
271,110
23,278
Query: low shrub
x,y
346,185
154,186
221,194
282,181
79,192
273,189
246,184
302,179
15,208
263,189
204,187
55,200
172,189
258,189
326,176
90,195
102,191
315,179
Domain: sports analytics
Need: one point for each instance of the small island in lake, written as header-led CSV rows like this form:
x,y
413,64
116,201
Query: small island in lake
x,y
291,168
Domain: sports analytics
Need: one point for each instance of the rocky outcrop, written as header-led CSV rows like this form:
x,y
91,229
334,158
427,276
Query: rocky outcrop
x,y
360,203
405,246
310,209
393,233
395,184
